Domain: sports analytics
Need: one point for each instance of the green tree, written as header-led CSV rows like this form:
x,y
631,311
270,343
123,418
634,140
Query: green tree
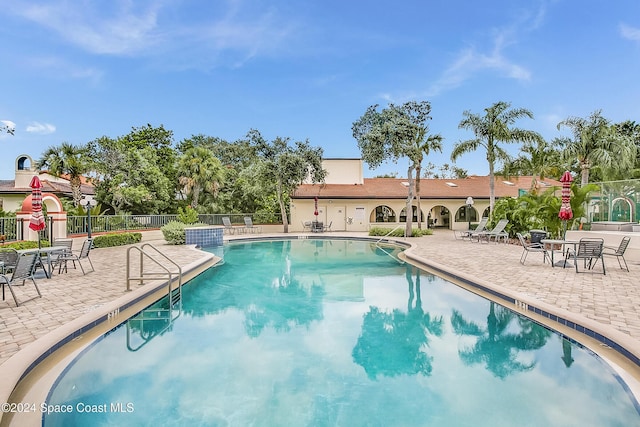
x,y
596,143
67,159
286,166
199,171
396,132
490,130
136,173
539,159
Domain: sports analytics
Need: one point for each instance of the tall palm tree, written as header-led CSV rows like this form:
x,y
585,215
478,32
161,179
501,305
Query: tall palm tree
x,y
490,130
67,159
199,171
596,142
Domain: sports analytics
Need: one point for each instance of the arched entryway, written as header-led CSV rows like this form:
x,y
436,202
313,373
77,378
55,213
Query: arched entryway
x,y
382,213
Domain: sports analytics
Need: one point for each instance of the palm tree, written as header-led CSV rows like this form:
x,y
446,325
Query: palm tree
x,y
490,130
539,159
596,142
199,171
67,159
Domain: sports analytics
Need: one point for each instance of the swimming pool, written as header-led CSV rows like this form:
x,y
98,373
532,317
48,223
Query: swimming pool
x,y
334,332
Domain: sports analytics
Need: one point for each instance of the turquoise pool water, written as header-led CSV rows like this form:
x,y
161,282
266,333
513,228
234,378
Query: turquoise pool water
x,y
334,333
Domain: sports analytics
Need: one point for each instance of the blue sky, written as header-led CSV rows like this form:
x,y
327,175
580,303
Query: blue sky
x,y
72,71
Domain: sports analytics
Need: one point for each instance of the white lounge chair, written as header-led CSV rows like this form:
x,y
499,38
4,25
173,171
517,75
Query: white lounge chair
x,y
496,233
248,225
466,234
229,228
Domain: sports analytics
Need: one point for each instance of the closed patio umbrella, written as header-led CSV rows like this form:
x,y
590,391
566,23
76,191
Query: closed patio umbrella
x,y
36,222
566,213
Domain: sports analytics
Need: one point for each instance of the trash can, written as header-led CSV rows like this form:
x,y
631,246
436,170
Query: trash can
x,y
537,235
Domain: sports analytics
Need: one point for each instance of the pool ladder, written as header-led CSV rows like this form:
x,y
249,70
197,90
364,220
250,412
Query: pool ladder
x,y
384,250
175,296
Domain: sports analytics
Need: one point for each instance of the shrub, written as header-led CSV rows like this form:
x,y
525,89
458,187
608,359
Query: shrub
x,y
116,239
26,244
399,232
173,232
188,215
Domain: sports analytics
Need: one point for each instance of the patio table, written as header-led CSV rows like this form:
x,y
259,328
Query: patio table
x,y
551,244
48,252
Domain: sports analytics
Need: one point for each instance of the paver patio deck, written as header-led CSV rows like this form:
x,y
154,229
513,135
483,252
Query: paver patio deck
x,y
612,300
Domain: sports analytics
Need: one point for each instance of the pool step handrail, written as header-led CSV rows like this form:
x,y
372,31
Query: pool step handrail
x,y
168,274
383,250
157,314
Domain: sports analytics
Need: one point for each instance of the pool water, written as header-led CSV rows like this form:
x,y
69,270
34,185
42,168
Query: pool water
x,y
334,333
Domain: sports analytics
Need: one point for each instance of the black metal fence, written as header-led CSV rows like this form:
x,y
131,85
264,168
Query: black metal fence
x,y
11,227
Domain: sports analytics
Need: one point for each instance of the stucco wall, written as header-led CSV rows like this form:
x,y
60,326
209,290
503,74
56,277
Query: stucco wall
x,y
359,215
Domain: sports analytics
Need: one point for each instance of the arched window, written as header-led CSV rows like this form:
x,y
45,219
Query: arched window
x,y
382,213
403,214
461,214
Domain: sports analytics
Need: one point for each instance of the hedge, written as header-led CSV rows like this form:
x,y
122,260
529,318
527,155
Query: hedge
x,y
116,239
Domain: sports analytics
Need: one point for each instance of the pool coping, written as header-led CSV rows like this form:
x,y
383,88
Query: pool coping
x,y
19,365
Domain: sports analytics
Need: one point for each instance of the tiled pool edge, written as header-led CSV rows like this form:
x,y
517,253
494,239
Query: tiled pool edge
x,y
19,365
618,341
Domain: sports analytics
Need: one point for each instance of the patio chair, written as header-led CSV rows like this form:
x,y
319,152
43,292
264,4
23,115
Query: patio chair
x,y
8,259
532,247
328,227
306,226
589,251
59,257
79,256
228,227
618,252
496,233
23,271
466,234
248,225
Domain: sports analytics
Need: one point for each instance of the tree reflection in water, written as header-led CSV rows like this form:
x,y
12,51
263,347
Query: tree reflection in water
x,y
497,345
395,343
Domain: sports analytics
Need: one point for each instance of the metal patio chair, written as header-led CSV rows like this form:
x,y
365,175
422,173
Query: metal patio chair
x,y
8,259
589,251
532,247
618,252
79,256
230,228
23,271
248,225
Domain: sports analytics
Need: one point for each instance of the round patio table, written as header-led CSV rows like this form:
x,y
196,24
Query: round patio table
x,y
551,244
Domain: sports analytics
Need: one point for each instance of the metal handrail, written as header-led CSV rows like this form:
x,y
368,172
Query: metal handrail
x,y
154,276
383,250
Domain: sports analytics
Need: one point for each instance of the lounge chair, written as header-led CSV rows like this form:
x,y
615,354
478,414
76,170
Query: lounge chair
x,y
248,225
23,271
229,228
531,247
77,256
496,233
589,251
466,234
328,227
618,252
306,226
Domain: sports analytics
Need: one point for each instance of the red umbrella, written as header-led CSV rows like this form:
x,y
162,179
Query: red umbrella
x,y
315,212
566,213
36,222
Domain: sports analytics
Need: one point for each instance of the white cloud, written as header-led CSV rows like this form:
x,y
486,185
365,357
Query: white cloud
x,y
41,128
630,33
126,28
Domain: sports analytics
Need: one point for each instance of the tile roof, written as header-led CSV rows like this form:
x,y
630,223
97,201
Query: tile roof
x,y
395,188
8,187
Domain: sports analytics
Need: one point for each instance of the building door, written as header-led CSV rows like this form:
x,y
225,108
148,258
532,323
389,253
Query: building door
x,y
337,217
